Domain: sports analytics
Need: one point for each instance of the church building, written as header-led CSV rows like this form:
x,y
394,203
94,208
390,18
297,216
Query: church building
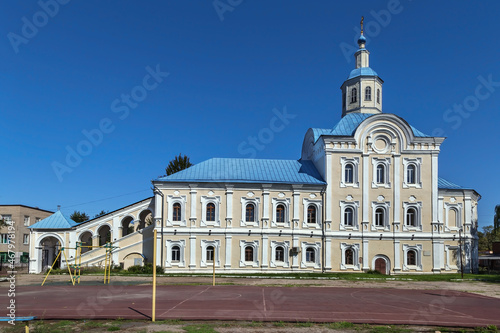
x,y
364,195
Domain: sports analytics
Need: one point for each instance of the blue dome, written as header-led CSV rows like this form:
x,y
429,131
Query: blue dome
x,y
363,71
361,39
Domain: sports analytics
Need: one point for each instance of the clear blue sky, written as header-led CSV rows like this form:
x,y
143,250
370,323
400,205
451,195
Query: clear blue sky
x,y
71,71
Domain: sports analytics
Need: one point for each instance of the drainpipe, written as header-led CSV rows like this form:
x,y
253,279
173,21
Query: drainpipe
x,y
157,190
323,231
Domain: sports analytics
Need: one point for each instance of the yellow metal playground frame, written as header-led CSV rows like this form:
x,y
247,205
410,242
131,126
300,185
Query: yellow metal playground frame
x,y
75,276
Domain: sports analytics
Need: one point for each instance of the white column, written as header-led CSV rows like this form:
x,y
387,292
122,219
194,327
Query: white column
x,y
158,206
192,251
228,251
365,188
116,228
265,251
296,203
229,206
397,256
157,243
366,260
441,213
434,188
397,189
265,208
328,253
295,257
329,194
192,203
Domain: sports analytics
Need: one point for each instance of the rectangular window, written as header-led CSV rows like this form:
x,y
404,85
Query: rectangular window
x,y
26,238
4,239
176,254
37,219
210,254
26,220
7,218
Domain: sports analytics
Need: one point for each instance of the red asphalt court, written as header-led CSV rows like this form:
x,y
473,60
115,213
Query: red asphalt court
x,y
315,304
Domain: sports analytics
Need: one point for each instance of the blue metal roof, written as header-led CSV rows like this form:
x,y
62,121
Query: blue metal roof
x,y
348,125
55,221
363,71
447,185
240,170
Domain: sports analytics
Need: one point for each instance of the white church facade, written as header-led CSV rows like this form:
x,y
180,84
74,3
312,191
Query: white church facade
x,y
364,195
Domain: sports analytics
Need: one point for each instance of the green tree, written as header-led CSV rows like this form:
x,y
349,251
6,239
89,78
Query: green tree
x,y
486,238
103,212
496,221
177,164
79,216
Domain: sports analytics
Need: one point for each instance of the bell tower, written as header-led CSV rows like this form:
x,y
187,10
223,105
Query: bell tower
x,y
362,91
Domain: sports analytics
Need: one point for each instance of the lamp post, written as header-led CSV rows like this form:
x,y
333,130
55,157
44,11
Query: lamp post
x,y
461,256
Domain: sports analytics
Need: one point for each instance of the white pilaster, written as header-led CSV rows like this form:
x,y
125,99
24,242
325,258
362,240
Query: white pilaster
x,y
227,263
329,190
328,253
229,206
397,256
295,257
366,260
158,206
397,189
192,204
366,183
435,212
192,251
265,208
296,203
265,251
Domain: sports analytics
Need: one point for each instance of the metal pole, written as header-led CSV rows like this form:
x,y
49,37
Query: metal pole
x,y
461,256
154,276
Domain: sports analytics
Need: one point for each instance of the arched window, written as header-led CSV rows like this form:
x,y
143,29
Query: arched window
x,y
176,253
311,214
380,174
411,258
354,95
454,218
378,96
248,253
280,254
379,217
310,255
211,211
349,173
410,174
349,216
280,213
176,216
250,213
349,257
411,217
210,254
368,94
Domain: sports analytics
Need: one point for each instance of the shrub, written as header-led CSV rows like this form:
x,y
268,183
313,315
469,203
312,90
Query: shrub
x,y
146,269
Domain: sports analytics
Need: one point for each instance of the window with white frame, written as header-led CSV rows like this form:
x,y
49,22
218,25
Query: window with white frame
x,y
210,206
312,213
453,216
413,216
279,254
26,238
311,254
412,167
7,218
4,238
354,95
350,256
368,94
380,215
26,220
175,253
452,257
349,215
412,257
281,211
250,212
210,253
176,210
349,175
381,168
249,253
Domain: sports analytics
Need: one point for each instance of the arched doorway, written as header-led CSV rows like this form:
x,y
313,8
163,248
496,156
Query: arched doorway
x,y
50,247
86,240
104,235
382,264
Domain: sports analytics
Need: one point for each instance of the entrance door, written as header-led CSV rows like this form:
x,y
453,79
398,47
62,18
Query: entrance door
x,y
380,265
